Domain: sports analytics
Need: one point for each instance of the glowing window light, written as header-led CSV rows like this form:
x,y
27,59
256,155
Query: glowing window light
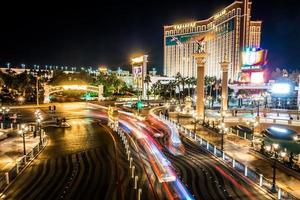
x,y
281,88
75,87
257,77
277,129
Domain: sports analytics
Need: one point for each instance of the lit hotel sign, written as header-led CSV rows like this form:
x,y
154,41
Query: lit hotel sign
x,y
137,60
187,25
220,14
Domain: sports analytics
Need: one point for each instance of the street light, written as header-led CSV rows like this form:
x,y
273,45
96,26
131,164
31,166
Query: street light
x,y
22,132
223,113
39,119
252,125
196,120
275,156
223,130
4,110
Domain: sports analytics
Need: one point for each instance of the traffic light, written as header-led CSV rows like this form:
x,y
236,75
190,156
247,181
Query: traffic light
x,y
139,104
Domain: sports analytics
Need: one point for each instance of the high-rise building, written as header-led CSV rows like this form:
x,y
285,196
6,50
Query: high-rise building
x,y
231,31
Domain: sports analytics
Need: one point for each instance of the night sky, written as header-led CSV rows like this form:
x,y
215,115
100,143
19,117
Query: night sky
x,y
82,34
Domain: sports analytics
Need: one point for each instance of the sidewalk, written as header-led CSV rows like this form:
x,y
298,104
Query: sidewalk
x,y
11,149
240,149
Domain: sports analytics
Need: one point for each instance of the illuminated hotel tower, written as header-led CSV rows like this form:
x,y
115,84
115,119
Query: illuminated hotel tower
x,y
232,31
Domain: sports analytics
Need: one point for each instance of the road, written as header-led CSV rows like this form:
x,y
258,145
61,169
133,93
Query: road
x,y
205,176
86,161
210,179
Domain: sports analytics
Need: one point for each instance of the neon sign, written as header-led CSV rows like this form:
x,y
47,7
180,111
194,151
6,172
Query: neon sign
x,y
75,87
220,14
187,25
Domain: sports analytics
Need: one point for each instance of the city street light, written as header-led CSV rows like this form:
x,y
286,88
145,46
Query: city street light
x,y
223,130
223,113
39,119
4,110
275,156
196,120
22,132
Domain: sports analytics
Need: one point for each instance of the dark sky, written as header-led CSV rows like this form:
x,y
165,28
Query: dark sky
x,y
86,33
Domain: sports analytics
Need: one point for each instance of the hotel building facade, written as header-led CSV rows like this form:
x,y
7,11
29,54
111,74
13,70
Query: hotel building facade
x,y
231,32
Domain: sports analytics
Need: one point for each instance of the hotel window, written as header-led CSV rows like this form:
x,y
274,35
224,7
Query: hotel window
x,y
239,11
167,32
198,28
203,27
233,12
171,32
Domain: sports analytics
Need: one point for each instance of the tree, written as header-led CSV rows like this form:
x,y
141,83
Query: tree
x,y
156,88
171,86
178,79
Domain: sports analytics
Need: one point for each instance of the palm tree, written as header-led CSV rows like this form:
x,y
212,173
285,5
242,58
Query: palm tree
x,y
171,86
156,88
178,79
147,81
190,81
183,82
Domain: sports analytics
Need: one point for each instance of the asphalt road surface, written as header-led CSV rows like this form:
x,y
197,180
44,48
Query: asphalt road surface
x,y
86,161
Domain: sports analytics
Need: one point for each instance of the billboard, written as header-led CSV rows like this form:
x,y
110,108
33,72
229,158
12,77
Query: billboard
x,y
257,77
137,70
281,88
254,59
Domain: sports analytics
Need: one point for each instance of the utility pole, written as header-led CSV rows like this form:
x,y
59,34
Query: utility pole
x,y
37,90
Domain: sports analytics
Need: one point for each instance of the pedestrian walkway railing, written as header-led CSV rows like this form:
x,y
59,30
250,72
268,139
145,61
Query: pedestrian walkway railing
x,y
243,169
242,134
261,120
20,165
132,168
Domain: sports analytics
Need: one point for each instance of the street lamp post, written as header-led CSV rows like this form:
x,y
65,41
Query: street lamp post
x,y
4,111
196,120
275,148
223,115
223,130
39,120
23,132
37,90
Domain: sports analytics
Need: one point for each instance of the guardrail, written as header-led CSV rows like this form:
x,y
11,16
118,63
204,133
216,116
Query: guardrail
x,y
243,169
132,168
261,120
21,164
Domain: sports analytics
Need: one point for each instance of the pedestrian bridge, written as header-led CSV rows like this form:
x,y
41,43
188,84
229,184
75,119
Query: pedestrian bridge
x,y
50,89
